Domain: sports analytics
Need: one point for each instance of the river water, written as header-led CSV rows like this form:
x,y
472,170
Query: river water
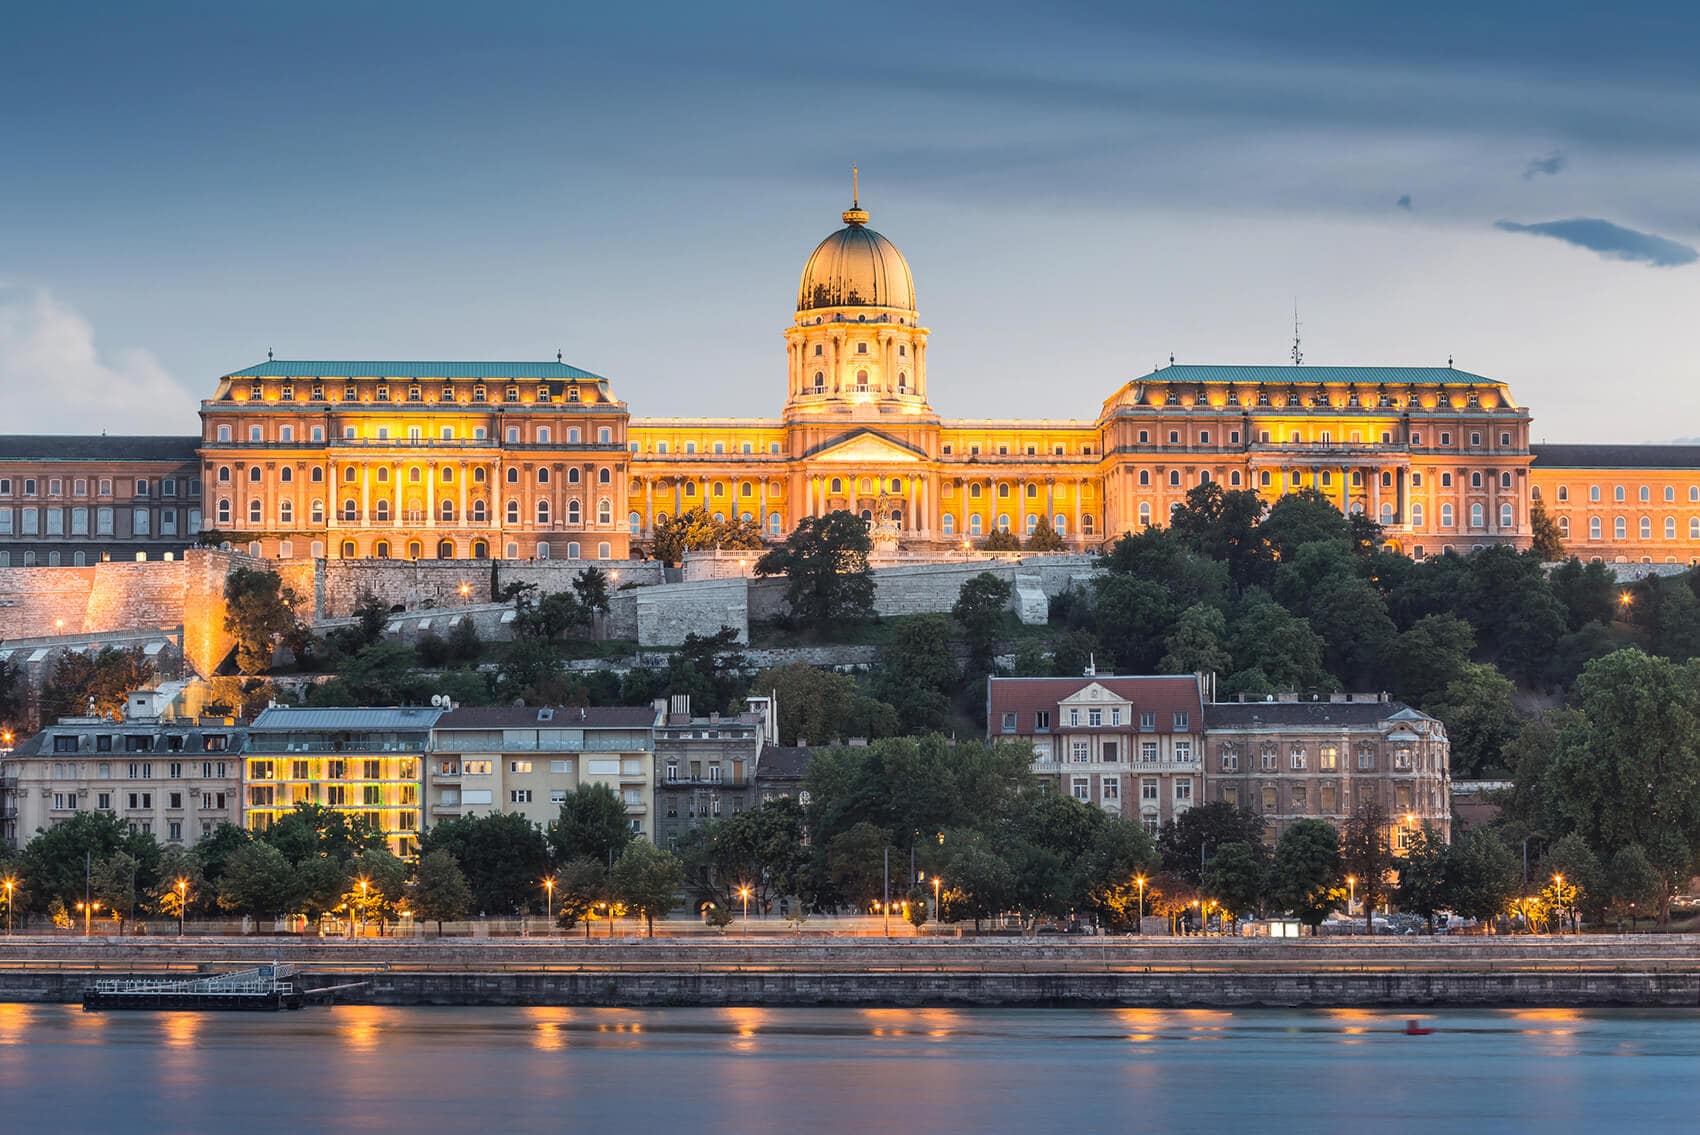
x,y
920,1071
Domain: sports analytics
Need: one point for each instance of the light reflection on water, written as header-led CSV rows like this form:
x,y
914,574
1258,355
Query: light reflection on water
x,y
752,1069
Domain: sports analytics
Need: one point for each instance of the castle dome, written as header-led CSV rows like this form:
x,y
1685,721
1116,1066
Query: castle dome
x,y
856,267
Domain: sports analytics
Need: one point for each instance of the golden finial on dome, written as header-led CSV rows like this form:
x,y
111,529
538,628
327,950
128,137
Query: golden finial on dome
x,y
855,214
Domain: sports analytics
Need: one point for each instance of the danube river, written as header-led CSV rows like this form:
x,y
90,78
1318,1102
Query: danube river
x,y
921,1071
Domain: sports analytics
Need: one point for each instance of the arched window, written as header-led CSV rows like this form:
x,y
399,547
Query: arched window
x,y
513,435
1670,527
224,511
286,512
479,515
1475,480
974,491
415,550
448,475
445,549
253,474
318,514
773,523
862,375
1416,516
1505,516
384,475
902,382
1694,528
513,474
1477,516
317,477
573,476
543,474
604,512
572,512
573,550
1086,524
543,435
605,435
1505,480
820,384
1174,478
1620,529
1646,528
253,512
1145,478
224,474
605,476
1145,514
382,510
1446,516
974,524
634,523
381,550
1593,528
542,550
947,524
347,552
224,433
1003,522
513,512
837,486
1031,523
447,510
350,510
480,475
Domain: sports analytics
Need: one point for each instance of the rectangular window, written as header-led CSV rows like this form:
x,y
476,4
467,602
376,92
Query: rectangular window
x,y
1183,752
1094,717
1041,719
520,796
1080,788
1111,789
1148,719
1009,723
560,766
1180,722
1148,788
519,766
1183,788
1148,752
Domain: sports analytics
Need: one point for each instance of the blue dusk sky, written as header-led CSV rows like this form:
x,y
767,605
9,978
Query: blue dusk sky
x,y
1080,188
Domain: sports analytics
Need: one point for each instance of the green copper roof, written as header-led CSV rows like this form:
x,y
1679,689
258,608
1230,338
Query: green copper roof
x,y
1309,375
319,368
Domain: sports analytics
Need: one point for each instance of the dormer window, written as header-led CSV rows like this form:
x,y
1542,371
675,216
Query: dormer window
x,y
511,394
383,394
479,394
318,392
448,394
1233,397
350,393
572,394
1262,396
287,394
255,391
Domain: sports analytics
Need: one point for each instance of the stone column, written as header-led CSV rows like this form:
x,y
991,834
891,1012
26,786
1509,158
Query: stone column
x,y
649,506
395,485
430,496
365,494
462,474
1493,503
761,517
1399,496
1375,495
1345,491
1078,533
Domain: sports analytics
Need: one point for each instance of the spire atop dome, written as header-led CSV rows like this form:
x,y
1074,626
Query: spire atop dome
x,y
855,214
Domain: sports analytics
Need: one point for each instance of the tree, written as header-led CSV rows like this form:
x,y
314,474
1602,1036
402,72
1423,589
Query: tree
x,y
1223,524
981,610
1269,639
1305,877
76,680
57,860
1480,718
213,849
465,645
580,884
259,614
1187,840
1549,540
1133,616
1044,538
1572,858
915,906
1636,888
592,824
1423,874
1122,852
380,878
1195,645
1367,854
918,672
856,861
1483,875
114,883
1000,540
1235,877
1589,592
503,855
825,563
13,691
591,587
257,880
440,893
764,848
646,881
1626,768
694,530
309,831
1304,517
980,884
822,706
1430,656
176,865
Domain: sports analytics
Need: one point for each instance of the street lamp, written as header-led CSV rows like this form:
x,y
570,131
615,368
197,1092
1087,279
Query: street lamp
x,y
549,899
1558,885
182,903
362,908
465,590
88,909
1139,927
936,882
1352,893
744,893
10,884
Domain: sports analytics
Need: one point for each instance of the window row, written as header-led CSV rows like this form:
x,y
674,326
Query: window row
x,y
511,435
1620,528
141,487
33,521
382,512
418,392
745,447
1619,494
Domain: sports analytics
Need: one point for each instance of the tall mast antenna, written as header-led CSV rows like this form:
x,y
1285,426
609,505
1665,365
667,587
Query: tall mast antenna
x,y
855,187
1298,355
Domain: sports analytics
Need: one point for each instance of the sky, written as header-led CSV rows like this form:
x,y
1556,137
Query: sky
x,y
1081,190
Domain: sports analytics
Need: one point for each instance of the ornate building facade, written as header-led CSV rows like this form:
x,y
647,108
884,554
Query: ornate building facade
x,y
438,460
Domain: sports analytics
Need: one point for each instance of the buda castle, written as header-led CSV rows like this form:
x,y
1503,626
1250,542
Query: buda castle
x,y
521,460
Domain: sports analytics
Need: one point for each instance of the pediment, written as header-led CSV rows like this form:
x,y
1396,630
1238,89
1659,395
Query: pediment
x,y
1096,694
866,447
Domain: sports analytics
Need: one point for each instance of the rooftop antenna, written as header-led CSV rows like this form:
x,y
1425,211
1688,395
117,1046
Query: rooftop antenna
x,y
557,354
1298,355
268,354
1449,361
855,187
1091,665
1171,358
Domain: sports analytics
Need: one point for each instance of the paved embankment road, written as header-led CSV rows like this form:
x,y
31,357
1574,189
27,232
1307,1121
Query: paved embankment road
x,y
1591,970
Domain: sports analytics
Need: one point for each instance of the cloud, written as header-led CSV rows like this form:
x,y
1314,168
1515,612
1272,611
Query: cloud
x,y
1404,202
53,379
1614,242
1549,166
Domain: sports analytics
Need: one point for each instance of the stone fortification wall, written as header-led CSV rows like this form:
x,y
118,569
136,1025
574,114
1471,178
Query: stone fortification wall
x,y
436,583
924,588
37,602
